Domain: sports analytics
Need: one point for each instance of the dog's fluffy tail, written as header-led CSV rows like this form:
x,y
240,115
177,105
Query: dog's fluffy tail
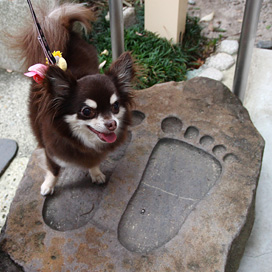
x,y
56,23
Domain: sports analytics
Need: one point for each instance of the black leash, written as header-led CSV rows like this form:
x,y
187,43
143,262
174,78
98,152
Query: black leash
x,y
41,37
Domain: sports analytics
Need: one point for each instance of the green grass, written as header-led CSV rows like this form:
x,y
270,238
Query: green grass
x,y
159,60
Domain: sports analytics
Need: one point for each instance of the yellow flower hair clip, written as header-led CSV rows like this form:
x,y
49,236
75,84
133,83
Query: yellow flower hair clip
x,y
60,61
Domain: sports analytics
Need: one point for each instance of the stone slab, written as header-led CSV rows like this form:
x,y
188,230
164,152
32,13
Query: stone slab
x,y
180,194
8,149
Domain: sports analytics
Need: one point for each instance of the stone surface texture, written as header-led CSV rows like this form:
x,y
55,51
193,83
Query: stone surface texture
x,y
229,46
220,61
190,166
212,73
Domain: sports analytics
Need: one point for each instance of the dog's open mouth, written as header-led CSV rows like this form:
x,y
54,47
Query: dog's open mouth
x,y
105,137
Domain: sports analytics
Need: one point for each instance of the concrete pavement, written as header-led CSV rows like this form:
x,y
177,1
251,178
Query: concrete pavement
x,y
14,88
258,101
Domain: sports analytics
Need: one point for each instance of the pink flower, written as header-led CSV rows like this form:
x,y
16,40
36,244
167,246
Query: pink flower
x,y
37,71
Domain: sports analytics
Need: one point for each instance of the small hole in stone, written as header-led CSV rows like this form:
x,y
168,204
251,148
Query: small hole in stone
x,y
206,140
53,257
230,158
137,118
219,149
191,132
171,125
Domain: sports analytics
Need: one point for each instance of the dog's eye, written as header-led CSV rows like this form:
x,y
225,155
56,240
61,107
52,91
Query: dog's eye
x,y
88,112
115,107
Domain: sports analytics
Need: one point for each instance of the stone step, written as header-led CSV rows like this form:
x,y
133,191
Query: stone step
x,y
180,194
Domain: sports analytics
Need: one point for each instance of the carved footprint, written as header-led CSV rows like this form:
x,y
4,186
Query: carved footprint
x,y
179,173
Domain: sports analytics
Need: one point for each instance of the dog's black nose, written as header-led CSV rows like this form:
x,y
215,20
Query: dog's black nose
x,y
111,125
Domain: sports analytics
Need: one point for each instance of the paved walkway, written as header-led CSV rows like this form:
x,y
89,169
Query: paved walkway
x,y
14,89
258,101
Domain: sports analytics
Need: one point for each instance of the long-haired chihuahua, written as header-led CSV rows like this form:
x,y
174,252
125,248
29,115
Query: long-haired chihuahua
x,y
77,115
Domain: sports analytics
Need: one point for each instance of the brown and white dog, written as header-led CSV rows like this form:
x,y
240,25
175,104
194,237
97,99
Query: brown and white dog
x,y
77,115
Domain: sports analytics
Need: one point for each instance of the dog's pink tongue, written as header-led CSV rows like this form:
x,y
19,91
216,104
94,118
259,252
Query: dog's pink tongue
x,y
109,138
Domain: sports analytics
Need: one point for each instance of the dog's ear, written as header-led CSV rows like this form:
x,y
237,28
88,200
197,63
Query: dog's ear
x,y
60,83
122,70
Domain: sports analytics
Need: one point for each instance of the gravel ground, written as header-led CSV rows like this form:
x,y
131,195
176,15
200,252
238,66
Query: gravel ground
x,y
228,16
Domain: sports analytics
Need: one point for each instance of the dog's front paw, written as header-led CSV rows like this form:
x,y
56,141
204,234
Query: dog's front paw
x,y
46,190
97,176
48,185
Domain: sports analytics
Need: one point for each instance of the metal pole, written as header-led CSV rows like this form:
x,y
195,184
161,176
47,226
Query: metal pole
x,y
247,39
117,28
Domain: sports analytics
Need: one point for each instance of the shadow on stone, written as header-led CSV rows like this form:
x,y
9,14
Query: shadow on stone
x,y
73,203
137,118
7,265
76,198
171,125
